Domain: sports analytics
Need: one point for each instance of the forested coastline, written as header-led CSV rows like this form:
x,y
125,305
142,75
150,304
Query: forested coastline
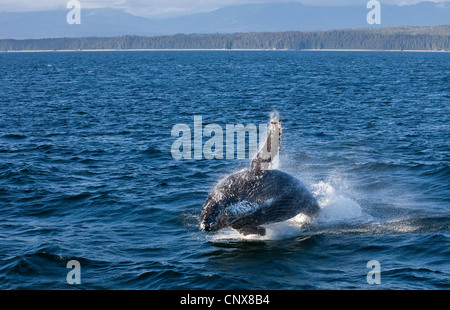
x,y
389,38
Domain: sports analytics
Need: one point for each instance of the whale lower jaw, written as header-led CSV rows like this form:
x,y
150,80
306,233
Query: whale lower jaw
x,y
251,230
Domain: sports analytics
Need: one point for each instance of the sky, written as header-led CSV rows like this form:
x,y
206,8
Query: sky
x,y
169,8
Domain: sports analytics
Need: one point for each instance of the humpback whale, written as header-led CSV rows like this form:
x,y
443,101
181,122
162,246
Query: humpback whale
x,y
258,195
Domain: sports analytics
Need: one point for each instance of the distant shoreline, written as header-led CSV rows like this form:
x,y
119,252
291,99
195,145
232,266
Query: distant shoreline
x,y
224,50
407,39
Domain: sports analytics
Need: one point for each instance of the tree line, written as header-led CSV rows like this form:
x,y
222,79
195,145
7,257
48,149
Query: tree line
x,y
388,38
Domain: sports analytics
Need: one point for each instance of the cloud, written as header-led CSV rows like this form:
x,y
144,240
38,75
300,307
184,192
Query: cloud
x,y
165,8
48,5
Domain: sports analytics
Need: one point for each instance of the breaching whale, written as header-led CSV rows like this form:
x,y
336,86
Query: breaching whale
x,y
249,198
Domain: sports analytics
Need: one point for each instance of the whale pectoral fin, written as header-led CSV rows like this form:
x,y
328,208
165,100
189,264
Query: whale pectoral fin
x,y
252,230
263,160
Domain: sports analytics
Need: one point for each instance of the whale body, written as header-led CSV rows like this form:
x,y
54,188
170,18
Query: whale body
x,y
249,198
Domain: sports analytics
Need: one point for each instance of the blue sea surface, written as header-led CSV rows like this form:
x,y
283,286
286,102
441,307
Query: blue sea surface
x,y
87,174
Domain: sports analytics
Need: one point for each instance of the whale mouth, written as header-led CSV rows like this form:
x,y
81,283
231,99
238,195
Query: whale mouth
x,y
228,216
205,227
209,226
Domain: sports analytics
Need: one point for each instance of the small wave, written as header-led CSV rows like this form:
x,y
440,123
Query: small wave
x,y
33,263
152,151
14,136
20,172
198,175
43,147
418,276
77,197
440,172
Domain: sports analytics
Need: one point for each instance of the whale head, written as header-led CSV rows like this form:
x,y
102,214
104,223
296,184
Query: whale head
x,y
214,215
220,211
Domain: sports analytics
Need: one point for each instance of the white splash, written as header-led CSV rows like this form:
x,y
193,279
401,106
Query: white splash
x,y
275,115
335,207
287,229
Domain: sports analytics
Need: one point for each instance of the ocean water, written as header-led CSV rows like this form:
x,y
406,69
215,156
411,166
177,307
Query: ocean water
x,y
87,174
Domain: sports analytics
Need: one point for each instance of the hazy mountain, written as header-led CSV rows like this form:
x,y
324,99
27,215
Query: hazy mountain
x,y
98,22
240,18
